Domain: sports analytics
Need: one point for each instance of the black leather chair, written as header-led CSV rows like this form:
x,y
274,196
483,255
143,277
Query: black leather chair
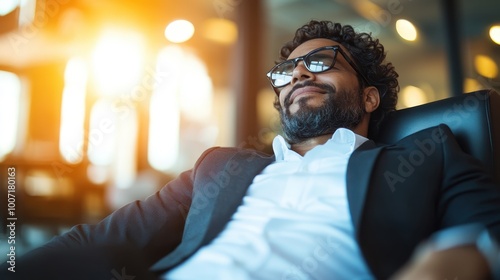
x,y
474,119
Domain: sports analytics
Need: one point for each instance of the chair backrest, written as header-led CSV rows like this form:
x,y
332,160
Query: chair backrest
x,y
474,119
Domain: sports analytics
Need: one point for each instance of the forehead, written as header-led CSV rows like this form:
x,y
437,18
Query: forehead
x,y
310,45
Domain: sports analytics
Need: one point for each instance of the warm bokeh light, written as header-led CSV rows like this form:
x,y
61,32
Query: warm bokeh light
x,y
413,96
485,66
406,30
471,85
184,89
118,61
97,174
43,183
163,146
112,144
27,11
220,30
164,111
7,6
267,115
10,98
366,9
118,65
495,34
73,111
179,31
101,147
195,89
125,161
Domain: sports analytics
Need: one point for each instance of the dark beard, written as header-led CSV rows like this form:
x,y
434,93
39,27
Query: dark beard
x,y
341,109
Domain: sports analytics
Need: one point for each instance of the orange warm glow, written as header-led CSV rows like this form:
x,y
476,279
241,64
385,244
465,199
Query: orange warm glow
x,y
117,62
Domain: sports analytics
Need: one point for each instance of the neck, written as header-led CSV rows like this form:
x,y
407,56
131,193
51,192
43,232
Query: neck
x,y
305,146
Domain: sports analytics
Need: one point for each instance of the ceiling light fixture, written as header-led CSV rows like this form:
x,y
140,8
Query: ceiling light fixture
x,y
495,34
406,30
179,31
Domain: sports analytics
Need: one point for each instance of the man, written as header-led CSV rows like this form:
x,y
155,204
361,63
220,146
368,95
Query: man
x,y
322,207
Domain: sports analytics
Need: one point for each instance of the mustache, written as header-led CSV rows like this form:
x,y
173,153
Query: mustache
x,y
329,89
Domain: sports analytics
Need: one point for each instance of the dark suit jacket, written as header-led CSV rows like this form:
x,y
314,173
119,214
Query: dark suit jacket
x,y
398,196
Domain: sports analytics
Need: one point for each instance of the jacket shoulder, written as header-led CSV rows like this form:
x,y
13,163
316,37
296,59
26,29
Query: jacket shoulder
x,y
224,153
437,134
217,158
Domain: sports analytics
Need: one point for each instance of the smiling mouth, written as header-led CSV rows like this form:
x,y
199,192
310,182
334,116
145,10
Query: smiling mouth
x,y
304,91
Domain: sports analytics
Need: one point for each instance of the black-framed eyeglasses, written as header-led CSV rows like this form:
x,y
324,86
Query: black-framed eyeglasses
x,y
316,61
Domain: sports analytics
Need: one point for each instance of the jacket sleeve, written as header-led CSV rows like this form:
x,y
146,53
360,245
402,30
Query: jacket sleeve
x,y
468,194
154,226
469,205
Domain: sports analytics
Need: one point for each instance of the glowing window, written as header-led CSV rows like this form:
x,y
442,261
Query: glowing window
x,y
164,111
102,136
125,167
185,89
112,142
10,101
163,146
27,12
73,111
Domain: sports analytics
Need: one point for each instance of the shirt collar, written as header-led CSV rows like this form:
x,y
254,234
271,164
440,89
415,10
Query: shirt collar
x,y
342,136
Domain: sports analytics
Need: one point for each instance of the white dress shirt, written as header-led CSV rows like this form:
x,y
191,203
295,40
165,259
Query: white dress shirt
x,y
294,222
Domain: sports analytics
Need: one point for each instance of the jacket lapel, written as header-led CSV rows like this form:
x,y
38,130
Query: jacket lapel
x,y
359,171
249,166
218,196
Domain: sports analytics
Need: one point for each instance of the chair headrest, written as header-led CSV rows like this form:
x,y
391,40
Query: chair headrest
x,y
473,118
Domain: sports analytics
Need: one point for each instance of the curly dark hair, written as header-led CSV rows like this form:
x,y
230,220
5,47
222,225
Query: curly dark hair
x,y
366,51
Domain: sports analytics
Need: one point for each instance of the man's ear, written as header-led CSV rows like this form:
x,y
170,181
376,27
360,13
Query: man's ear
x,y
371,98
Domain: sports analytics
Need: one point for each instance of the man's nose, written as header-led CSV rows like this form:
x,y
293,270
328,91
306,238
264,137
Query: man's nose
x,y
301,73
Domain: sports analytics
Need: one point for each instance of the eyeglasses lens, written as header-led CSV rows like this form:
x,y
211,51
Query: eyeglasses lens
x,y
282,74
316,62
320,61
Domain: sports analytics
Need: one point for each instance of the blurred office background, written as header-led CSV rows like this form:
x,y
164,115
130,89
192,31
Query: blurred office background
x,y
103,102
